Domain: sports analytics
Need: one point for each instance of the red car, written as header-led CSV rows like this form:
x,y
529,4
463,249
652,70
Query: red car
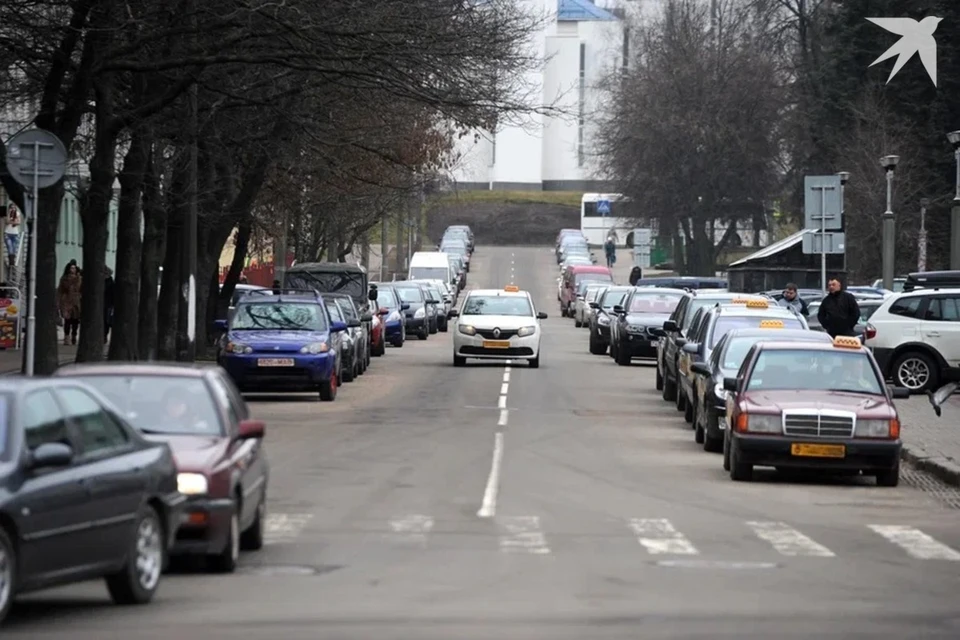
x,y
218,448
573,277
812,405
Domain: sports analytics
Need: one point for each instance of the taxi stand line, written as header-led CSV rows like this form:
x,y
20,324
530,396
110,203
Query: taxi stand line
x,y
489,506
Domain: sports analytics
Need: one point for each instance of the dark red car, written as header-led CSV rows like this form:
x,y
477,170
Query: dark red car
x,y
573,277
218,448
815,406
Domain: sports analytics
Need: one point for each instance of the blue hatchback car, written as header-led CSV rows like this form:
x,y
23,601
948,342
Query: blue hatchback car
x,y
282,342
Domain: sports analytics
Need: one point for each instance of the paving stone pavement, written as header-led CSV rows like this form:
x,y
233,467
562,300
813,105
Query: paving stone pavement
x,y
931,443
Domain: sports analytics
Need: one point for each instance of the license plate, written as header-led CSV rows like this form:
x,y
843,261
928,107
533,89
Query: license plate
x,y
818,450
275,362
496,344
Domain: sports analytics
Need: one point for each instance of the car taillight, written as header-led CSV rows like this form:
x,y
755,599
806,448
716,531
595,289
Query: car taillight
x,y
870,333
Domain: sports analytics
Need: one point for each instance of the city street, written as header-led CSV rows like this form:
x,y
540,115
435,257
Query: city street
x,y
565,502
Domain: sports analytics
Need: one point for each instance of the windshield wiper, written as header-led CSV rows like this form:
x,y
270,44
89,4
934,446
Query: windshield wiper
x,y
861,392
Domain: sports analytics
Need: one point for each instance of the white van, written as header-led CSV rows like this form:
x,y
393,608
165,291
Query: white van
x,y
430,265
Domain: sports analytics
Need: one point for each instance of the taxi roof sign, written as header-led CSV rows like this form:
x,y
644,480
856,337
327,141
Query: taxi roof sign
x,y
512,288
771,324
757,304
847,342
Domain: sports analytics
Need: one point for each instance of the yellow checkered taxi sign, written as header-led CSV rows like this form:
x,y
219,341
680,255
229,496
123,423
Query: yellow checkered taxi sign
x,y
771,324
847,342
512,288
757,304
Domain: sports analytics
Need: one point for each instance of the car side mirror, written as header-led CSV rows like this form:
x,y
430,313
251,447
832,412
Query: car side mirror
x,y
617,309
899,392
681,342
372,296
453,313
691,348
730,384
366,317
383,311
220,324
670,325
541,315
353,324
248,429
404,306
700,368
338,326
51,454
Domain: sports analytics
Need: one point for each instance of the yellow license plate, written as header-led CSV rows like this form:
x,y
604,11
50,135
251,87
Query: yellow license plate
x,y
496,344
818,450
275,362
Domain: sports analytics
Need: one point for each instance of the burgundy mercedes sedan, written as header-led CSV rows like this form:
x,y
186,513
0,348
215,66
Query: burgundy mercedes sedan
x,y
217,445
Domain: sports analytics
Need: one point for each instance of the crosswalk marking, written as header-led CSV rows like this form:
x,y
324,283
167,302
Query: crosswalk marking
x,y
916,543
523,535
413,528
788,541
285,527
658,536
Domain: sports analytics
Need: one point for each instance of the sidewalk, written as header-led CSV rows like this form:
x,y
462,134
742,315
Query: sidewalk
x,y
11,359
930,443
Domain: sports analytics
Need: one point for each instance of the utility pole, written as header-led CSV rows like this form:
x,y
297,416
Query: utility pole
x,y
188,254
280,249
400,224
383,248
889,164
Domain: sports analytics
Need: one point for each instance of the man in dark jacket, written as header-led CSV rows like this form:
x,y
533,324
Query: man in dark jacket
x,y
839,312
635,275
791,300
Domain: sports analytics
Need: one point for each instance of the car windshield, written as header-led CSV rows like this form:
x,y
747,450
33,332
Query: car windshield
x,y
726,324
386,298
700,303
737,348
497,306
410,294
592,277
239,293
592,293
654,302
434,294
612,298
290,316
352,283
815,370
457,250
428,273
161,404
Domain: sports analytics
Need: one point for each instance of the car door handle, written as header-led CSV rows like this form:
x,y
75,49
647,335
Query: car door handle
x,y
933,334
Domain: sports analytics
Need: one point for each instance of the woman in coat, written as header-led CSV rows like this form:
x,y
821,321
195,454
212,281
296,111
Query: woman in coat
x,y
635,275
68,301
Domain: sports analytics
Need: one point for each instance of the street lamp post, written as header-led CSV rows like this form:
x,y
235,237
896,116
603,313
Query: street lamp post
x,y
954,138
889,164
922,238
844,179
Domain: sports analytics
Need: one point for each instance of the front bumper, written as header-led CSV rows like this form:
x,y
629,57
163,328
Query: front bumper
x,y
774,451
204,526
638,345
307,371
416,324
393,329
524,348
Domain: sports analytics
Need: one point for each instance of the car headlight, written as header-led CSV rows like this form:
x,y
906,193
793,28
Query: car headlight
x,y
192,484
763,423
873,428
236,347
719,392
419,313
604,320
394,316
467,330
634,329
526,331
315,348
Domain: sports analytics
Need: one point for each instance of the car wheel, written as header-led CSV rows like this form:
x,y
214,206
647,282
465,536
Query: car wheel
x,y
226,561
424,334
916,371
534,362
137,581
349,373
711,444
688,412
659,380
459,361
596,347
726,453
444,327
578,324
890,477
328,388
669,390
739,471
8,573
252,538
623,358
680,400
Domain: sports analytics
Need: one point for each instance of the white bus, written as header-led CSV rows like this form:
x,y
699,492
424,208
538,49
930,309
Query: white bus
x,y
596,227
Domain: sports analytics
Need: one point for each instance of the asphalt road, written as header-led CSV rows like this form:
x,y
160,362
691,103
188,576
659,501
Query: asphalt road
x,y
605,519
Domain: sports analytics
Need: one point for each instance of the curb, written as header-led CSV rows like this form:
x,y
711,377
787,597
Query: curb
x,y
937,465
16,372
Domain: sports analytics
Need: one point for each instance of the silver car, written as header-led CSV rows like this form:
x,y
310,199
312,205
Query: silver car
x,y
582,311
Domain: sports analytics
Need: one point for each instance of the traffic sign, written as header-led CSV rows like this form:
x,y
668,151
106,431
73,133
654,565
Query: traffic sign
x,y
822,203
832,242
603,207
36,157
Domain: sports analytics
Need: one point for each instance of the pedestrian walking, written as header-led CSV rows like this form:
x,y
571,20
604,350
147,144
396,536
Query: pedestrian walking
x,y
839,312
791,300
68,301
11,235
610,249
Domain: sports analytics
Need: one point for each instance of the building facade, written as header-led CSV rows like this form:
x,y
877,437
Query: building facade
x,y
583,43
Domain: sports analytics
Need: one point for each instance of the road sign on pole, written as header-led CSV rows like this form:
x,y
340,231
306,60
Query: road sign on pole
x,y
36,159
822,214
831,242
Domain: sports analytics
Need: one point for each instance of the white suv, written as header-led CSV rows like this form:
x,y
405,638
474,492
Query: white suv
x,y
915,338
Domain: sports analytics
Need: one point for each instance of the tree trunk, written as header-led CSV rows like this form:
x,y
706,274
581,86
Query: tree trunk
x,y
47,352
123,341
154,246
236,267
168,306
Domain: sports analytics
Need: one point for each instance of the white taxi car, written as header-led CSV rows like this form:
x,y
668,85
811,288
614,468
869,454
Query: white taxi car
x,y
497,324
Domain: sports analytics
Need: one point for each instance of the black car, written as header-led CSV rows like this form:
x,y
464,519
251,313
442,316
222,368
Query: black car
x,y
709,399
420,311
676,330
343,342
601,321
83,496
358,359
639,322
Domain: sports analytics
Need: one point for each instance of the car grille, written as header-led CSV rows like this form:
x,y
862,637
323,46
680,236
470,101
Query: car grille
x,y
505,334
480,351
819,424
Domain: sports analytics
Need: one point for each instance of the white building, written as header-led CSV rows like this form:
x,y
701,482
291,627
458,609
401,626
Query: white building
x,y
582,43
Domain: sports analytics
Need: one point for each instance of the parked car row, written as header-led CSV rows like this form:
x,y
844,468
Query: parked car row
x,y
752,378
